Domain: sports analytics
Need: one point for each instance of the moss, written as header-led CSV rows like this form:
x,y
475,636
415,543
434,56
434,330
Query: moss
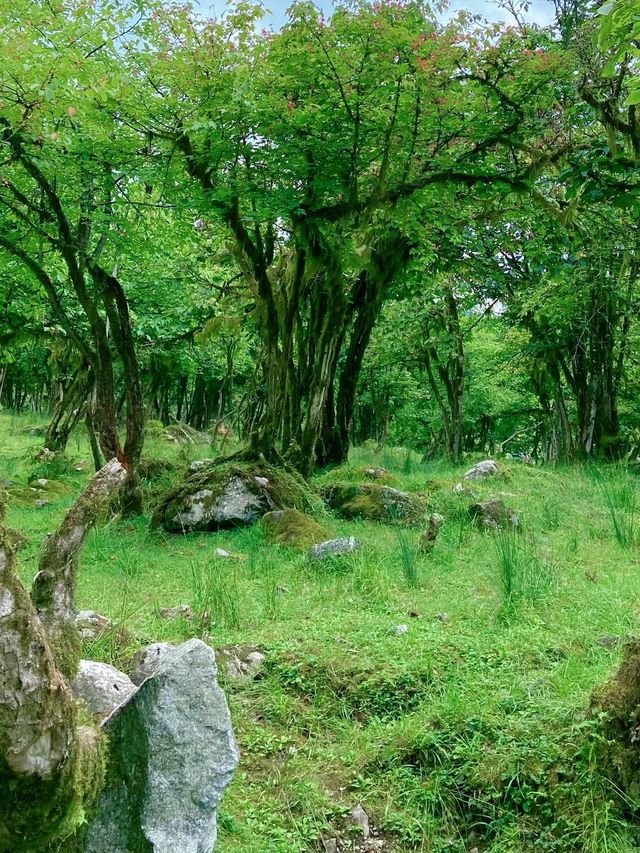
x,y
153,428
275,487
294,528
50,490
617,704
45,814
374,502
153,469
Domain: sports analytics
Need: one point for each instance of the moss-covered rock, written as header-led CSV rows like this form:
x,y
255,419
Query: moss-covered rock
x,y
494,514
292,527
374,502
41,489
617,704
230,495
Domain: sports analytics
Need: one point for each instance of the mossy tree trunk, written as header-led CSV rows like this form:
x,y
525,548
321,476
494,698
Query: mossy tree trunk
x,y
54,587
51,760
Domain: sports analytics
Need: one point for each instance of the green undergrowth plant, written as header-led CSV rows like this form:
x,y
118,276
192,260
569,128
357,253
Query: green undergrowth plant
x,y
215,594
524,576
620,494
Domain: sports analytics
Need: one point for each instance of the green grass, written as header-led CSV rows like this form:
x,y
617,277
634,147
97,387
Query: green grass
x,y
466,731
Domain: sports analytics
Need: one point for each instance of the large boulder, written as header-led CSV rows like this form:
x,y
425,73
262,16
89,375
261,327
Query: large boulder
x,y
292,527
172,754
217,497
101,687
374,502
482,470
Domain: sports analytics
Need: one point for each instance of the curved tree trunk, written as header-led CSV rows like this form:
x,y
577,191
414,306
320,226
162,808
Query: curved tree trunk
x,y
51,762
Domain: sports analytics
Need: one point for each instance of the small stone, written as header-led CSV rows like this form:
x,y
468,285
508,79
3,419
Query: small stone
x,y
183,611
442,617
240,662
330,845
401,629
40,503
91,625
147,660
334,548
102,687
429,536
42,482
220,552
494,514
376,473
486,468
360,818
262,481
461,489
414,614
198,464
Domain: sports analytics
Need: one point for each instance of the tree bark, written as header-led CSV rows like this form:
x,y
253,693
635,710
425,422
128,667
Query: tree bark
x,y
51,764
54,587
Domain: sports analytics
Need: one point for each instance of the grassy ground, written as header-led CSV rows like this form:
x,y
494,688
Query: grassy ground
x,y
467,730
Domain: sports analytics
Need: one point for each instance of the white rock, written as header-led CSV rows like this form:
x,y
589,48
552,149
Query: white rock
x,y
334,548
147,661
102,687
486,468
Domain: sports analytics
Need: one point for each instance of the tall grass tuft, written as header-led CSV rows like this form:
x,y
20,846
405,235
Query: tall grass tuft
x,y
523,575
215,595
620,495
408,555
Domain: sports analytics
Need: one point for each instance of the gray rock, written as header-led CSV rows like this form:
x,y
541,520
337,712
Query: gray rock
x,y
40,503
172,754
359,817
374,502
482,470
240,662
91,625
334,548
147,660
199,464
220,552
375,473
102,688
330,845
494,514
401,629
235,506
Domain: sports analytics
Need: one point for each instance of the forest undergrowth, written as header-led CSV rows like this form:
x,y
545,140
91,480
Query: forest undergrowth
x,y
446,693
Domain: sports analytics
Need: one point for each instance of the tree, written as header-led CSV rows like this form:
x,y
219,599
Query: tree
x,y
312,146
66,172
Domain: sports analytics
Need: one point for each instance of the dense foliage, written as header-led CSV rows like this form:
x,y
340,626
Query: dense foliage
x,y
369,226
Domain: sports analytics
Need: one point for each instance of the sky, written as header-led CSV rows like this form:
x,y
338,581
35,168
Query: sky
x,y
540,11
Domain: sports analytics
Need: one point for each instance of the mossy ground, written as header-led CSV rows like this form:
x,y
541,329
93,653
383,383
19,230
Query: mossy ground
x,y
468,730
